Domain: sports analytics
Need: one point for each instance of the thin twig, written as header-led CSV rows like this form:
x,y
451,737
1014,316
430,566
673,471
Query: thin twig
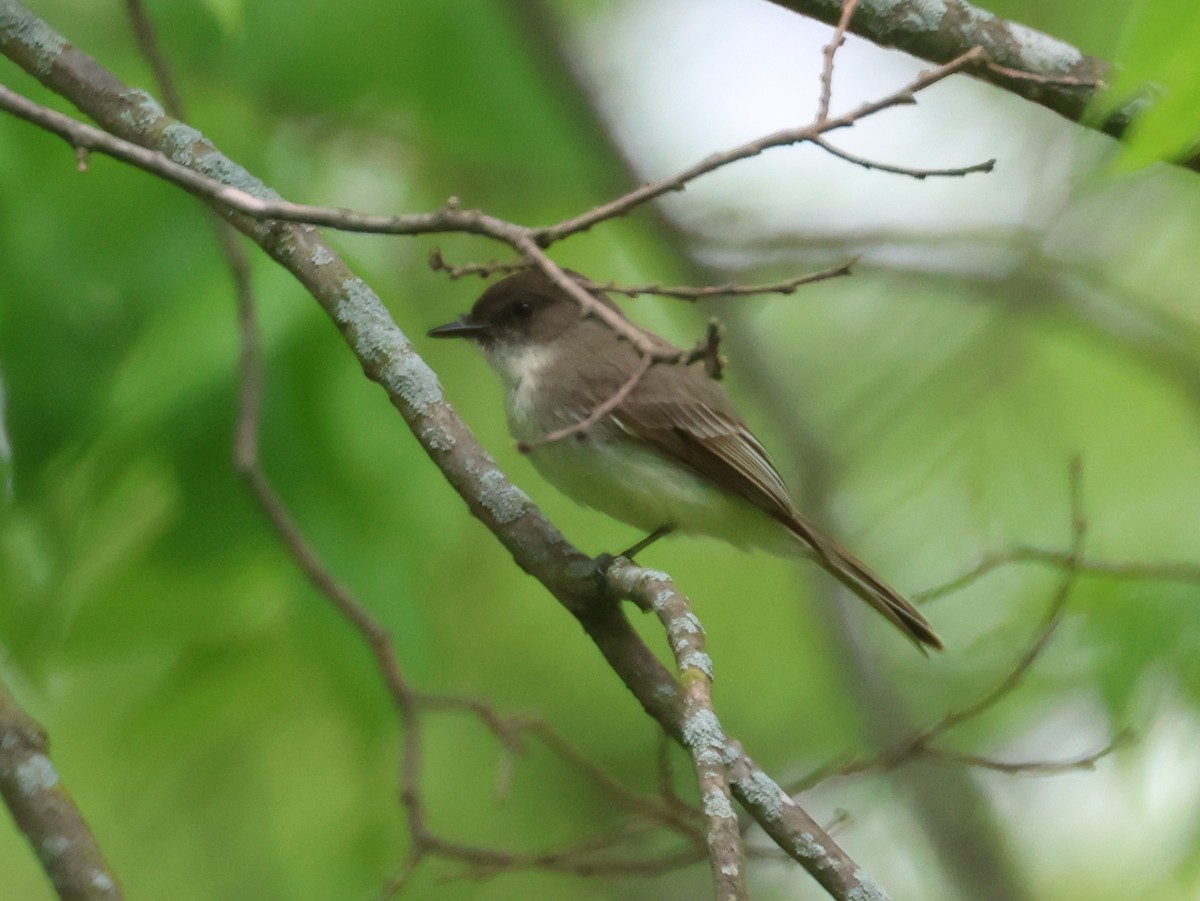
x,y
921,743
438,263
729,289
1030,767
830,50
679,292
785,137
598,413
919,174
1169,571
667,810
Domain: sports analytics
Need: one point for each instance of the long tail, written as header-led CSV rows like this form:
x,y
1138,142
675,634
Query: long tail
x,y
859,578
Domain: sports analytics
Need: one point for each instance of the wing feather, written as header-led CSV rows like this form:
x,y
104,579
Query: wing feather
x,y
714,443
705,434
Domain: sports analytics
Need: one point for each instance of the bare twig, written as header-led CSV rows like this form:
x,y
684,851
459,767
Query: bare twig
x,y
663,809
785,137
1050,620
729,289
1029,767
438,263
579,859
1169,571
919,174
921,743
598,413
830,50
679,292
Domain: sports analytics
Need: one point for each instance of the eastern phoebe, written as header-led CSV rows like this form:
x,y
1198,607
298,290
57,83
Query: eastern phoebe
x,y
674,454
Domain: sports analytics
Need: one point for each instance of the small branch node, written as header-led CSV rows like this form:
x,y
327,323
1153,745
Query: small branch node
x,y
707,349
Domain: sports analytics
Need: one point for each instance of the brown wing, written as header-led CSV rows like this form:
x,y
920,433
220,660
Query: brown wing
x,y
714,444
706,434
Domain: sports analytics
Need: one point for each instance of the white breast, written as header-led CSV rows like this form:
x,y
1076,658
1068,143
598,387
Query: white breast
x,y
521,369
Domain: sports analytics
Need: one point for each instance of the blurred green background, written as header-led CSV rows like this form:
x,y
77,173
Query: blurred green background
x,y
227,735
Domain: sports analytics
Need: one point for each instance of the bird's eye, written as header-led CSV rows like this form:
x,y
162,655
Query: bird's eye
x,y
522,309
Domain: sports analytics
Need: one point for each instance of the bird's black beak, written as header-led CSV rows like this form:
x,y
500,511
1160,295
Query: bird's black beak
x,y
462,327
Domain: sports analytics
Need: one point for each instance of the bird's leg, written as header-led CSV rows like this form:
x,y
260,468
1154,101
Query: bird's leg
x,y
660,532
603,561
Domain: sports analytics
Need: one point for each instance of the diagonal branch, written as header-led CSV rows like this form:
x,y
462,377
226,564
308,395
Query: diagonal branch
x,y
782,138
45,813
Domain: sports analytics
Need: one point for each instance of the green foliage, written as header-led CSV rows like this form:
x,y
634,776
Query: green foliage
x,y
228,735
1090,29
1157,65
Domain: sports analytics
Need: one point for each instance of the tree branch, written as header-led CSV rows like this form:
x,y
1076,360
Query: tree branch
x,y
1022,61
702,731
45,812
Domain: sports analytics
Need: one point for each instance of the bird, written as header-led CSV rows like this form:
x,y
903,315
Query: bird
x,y
674,455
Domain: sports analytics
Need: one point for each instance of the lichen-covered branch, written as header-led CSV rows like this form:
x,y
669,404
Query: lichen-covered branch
x,y
703,734
1036,66
44,811
785,821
